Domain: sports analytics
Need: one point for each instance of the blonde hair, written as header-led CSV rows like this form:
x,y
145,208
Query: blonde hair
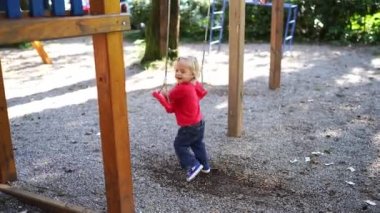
x,y
192,63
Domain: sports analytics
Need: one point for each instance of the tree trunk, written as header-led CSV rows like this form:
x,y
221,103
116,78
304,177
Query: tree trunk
x,y
156,31
174,29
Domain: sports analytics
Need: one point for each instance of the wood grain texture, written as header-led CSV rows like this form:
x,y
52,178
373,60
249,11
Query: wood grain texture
x,y
32,29
44,203
236,67
276,44
112,100
7,161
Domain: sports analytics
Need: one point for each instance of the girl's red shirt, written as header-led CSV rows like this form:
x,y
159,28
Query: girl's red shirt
x,y
183,101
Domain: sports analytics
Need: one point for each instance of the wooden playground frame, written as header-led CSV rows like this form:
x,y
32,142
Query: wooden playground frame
x,y
105,24
236,59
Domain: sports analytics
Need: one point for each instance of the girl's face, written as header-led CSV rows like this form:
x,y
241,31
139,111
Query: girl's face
x,y
183,73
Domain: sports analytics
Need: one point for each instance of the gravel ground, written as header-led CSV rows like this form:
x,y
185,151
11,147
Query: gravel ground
x,y
311,146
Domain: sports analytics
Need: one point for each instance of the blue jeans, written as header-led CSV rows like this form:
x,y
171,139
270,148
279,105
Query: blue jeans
x,y
191,137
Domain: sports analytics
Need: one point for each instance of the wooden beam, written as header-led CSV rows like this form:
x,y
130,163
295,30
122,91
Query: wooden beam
x,y
47,204
32,29
113,116
236,67
276,44
7,162
41,51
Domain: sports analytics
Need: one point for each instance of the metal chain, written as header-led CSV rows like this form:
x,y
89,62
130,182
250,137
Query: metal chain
x,y
205,40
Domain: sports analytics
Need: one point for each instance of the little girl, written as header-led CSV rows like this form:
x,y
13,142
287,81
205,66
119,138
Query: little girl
x,y
183,100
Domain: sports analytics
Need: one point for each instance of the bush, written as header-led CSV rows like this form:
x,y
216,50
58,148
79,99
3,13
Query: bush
x,y
193,19
140,13
364,29
333,20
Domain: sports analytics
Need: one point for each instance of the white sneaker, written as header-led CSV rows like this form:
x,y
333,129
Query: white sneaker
x,y
206,170
193,172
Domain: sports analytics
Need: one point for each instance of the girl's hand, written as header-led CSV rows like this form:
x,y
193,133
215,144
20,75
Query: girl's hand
x,y
163,101
165,92
156,93
160,93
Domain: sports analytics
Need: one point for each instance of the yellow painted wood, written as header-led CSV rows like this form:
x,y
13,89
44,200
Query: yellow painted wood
x,y
112,100
44,203
236,67
105,24
276,44
41,51
7,162
32,29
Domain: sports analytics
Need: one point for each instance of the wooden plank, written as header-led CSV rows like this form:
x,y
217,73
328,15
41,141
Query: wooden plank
x,y
47,204
236,67
41,51
276,44
36,29
112,100
7,162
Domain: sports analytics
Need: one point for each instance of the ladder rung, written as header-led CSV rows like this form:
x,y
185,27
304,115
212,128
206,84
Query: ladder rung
x,y
292,22
288,38
290,6
216,28
214,42
218,12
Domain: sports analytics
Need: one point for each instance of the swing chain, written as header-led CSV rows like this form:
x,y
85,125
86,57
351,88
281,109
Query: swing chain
x,y
205,39
164,86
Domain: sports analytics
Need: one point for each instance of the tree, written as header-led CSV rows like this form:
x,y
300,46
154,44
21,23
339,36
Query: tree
x,y
156,30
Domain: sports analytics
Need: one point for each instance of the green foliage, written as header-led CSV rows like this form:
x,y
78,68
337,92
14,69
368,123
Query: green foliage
x,y
364,29
140,13
193,19
332,20
257,23
354,21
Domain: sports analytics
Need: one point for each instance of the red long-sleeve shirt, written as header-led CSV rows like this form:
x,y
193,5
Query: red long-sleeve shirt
x,y
183,101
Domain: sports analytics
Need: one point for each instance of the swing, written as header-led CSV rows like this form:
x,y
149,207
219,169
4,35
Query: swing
x,y
164,85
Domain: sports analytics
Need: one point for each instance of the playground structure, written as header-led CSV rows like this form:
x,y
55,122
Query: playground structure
x,y
37,45
218,16
105,24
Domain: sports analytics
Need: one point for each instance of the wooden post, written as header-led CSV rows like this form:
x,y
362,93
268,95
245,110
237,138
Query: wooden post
x,y
276,43
236,67
112,100
7,162
44,203
40,50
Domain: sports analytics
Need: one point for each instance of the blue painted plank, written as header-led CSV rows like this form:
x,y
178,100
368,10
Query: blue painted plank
x,y
2,5
76,7
36,8
46,5
12,8
58,7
